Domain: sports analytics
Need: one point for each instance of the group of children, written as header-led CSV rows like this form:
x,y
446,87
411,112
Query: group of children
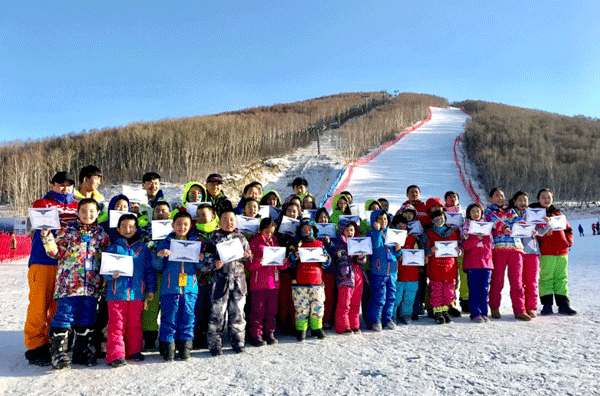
x,y
196,297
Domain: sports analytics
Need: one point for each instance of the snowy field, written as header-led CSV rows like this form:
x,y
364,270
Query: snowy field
x,y
554,355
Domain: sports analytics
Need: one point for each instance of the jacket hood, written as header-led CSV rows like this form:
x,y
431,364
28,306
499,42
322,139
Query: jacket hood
x,y
343,224
335,200
369,202
113,201
431,202
187,187
376,213
263,199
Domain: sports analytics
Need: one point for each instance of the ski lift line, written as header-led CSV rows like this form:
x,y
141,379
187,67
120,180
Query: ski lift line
x,y
370,157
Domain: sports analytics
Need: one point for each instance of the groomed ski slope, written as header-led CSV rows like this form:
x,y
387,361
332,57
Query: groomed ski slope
x,y
424,157
554,355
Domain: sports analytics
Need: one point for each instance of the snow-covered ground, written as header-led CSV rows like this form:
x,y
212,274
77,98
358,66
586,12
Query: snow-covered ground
x,y
554,355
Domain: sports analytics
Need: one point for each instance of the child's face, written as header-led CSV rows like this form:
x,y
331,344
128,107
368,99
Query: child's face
x,y
121,205
227,222
182,226
161,212
292,211
349,231
91,183
251,209
342,204
213,188
498,198
88,213
438,221
308,202
383,220
451,200
268,232
127,228
410,216
135,207
385,205
349,199
374,206
546,199
413,194
402,226
272,200
194,194
323,218
151,187
306,231
204,215
253,193
522,202
475,213
299,190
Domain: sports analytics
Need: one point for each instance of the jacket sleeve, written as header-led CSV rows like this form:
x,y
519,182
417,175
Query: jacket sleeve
x,y
257,253
342,261
158,263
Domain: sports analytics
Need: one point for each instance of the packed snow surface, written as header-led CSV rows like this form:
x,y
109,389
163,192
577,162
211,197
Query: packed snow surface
x,y
552,355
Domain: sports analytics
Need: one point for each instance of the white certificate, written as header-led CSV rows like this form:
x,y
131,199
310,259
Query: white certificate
x,y
230,250
454,219
248,224
354,218
312,255
191,208
269,211
116,264
558,223
358,210
394,236
135,195
161,228
187,251
273,255
535,215
446,248
114,216
415,228
44,218
288,225
309,214
480,228
520,230
413,257
326,229
358,246
368,217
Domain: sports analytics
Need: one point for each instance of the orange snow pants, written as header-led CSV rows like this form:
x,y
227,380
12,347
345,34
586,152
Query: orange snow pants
x,y
42,305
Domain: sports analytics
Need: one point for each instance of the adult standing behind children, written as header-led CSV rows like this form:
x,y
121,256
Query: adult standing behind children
x,y
215,194
42,272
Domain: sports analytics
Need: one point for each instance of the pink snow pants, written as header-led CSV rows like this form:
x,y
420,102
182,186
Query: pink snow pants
x,y
513,261
124,329
347,311
531,268
441,293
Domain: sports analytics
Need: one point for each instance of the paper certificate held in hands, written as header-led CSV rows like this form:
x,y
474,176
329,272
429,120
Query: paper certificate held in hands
x,y
415,228
273,255
482,228
446,248
395,236
135,195
312,255
114,216
535,215
230,250
354,218
326,229
248,224
358,210
357,246
520,230
192,207
44,218
186,251
116,264
288,225
558,223
309,214
454,219
413,257
268,211
161,229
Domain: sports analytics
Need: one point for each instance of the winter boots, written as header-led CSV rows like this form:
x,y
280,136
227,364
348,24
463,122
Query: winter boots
x,y
317,333
84,350
301,335
58,348
184,349
39,356
563,305
166,350
150,340
464,306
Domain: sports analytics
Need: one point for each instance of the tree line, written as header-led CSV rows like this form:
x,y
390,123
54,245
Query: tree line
x,y
521,149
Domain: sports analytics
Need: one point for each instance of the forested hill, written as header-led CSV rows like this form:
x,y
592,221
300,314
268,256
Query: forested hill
x,y
186,149
522,149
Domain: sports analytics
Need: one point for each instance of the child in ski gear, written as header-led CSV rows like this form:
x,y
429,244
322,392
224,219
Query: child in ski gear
x,y
125,295
192,192
340,207
121,203
78,285
329,273
407,282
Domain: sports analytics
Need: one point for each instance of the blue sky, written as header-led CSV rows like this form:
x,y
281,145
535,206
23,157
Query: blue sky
x,y
73,66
